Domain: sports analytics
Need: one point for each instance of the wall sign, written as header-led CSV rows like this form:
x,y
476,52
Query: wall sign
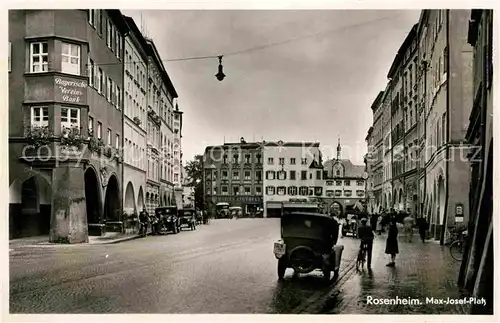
x,y
70,91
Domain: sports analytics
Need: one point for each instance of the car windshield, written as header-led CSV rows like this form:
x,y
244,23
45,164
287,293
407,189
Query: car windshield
x,y
188,213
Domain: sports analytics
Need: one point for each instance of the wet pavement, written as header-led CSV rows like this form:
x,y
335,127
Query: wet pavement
x,y
224,267
422,271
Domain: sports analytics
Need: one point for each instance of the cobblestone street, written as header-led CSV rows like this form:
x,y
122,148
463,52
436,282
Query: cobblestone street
x,y
422,271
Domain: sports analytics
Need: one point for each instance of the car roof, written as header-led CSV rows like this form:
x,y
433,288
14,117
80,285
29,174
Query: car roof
x,y
312,214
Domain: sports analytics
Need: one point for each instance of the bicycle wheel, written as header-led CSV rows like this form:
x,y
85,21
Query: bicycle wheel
x,y
456,250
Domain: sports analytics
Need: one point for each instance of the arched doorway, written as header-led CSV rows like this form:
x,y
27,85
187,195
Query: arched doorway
x,y
112,201
129,205
92,201
140,200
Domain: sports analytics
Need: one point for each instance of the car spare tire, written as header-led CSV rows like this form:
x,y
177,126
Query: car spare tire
x,y
302,259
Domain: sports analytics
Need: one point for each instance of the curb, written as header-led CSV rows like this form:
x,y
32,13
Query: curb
x,y
316,302
117,240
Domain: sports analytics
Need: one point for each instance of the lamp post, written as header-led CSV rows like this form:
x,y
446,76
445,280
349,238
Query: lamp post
x,y
194,197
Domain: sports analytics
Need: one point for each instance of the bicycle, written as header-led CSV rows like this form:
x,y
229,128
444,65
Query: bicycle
x,y
360,261
457,247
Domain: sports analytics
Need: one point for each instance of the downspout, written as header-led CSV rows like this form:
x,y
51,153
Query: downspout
x,y
122,99
445,211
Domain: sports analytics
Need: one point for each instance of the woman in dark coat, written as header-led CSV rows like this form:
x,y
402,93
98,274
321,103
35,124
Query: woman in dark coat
x,y
391,247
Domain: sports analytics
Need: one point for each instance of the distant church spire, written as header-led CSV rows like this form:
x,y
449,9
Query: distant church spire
x,y
338,149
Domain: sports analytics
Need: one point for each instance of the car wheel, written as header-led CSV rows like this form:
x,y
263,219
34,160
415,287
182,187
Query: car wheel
x,y
281,268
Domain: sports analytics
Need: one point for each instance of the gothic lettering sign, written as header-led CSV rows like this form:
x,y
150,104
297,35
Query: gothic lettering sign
x,y
70,90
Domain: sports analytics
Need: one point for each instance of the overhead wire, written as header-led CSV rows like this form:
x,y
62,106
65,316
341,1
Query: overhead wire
x,y
261,47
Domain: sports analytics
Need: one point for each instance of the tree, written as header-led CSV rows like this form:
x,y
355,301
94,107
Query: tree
x,y
194,172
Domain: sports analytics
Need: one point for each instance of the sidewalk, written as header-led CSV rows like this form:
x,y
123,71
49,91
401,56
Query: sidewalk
x,y
423,270
43,241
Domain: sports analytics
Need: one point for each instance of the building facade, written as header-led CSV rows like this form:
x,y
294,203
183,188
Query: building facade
x,y
430,88
375,158
344,185
477,268
292,171
65,117
233,174
134,122
178,167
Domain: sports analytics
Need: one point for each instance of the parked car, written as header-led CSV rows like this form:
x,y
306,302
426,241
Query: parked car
x,y
188,218
169,217
308,242
235,212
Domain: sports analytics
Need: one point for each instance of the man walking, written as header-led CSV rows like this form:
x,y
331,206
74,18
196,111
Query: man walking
x,y
365,234
408,222
423,226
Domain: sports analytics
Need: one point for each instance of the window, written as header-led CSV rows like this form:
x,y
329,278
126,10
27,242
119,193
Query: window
x,y
347,182
99,130
100,18
318,174
270,161
109,89
360,183
329,183
247,175
40,116
109,34
318,191
258,158
348,193
338,172
235,159
247,190
338,183
118,97
224,159
109,137
303,175
270,175
247,159
224,174
270,190
91,72
338,193
329,193
70,59
282,161
117,141
91,126
258,190
304,191
360,193
100,80
236,175
292,190
304,161
281,190
292,161
258,175
92,17
70,117
224,190
117,44
292,175
39,57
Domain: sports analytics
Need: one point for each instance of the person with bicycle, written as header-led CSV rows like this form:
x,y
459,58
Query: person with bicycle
x,y
365,234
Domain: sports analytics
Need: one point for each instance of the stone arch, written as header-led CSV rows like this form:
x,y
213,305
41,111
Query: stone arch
x,y
141,205
129,206
112,200
93,200
30,205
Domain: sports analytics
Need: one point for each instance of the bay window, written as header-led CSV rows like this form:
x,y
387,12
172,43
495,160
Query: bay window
x,y
70,117
70,59
39,116
39,57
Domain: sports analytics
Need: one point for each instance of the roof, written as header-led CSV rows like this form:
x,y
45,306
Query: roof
x,y
351,170
315,164
401,52
156,56
137,35
376,102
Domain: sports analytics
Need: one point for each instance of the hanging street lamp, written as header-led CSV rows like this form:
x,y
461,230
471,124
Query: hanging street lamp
x,y
220,75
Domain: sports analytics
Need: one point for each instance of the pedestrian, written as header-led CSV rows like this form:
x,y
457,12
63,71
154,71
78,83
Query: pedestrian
x,y
379,225
391,246
408,223
423,226
365,234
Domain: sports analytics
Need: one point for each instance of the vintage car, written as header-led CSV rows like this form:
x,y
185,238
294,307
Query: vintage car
x,y
188,218
235,212
169,217
308,243
222,210
350,225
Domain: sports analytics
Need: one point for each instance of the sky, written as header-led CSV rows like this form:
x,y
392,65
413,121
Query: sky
x,y
316,84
